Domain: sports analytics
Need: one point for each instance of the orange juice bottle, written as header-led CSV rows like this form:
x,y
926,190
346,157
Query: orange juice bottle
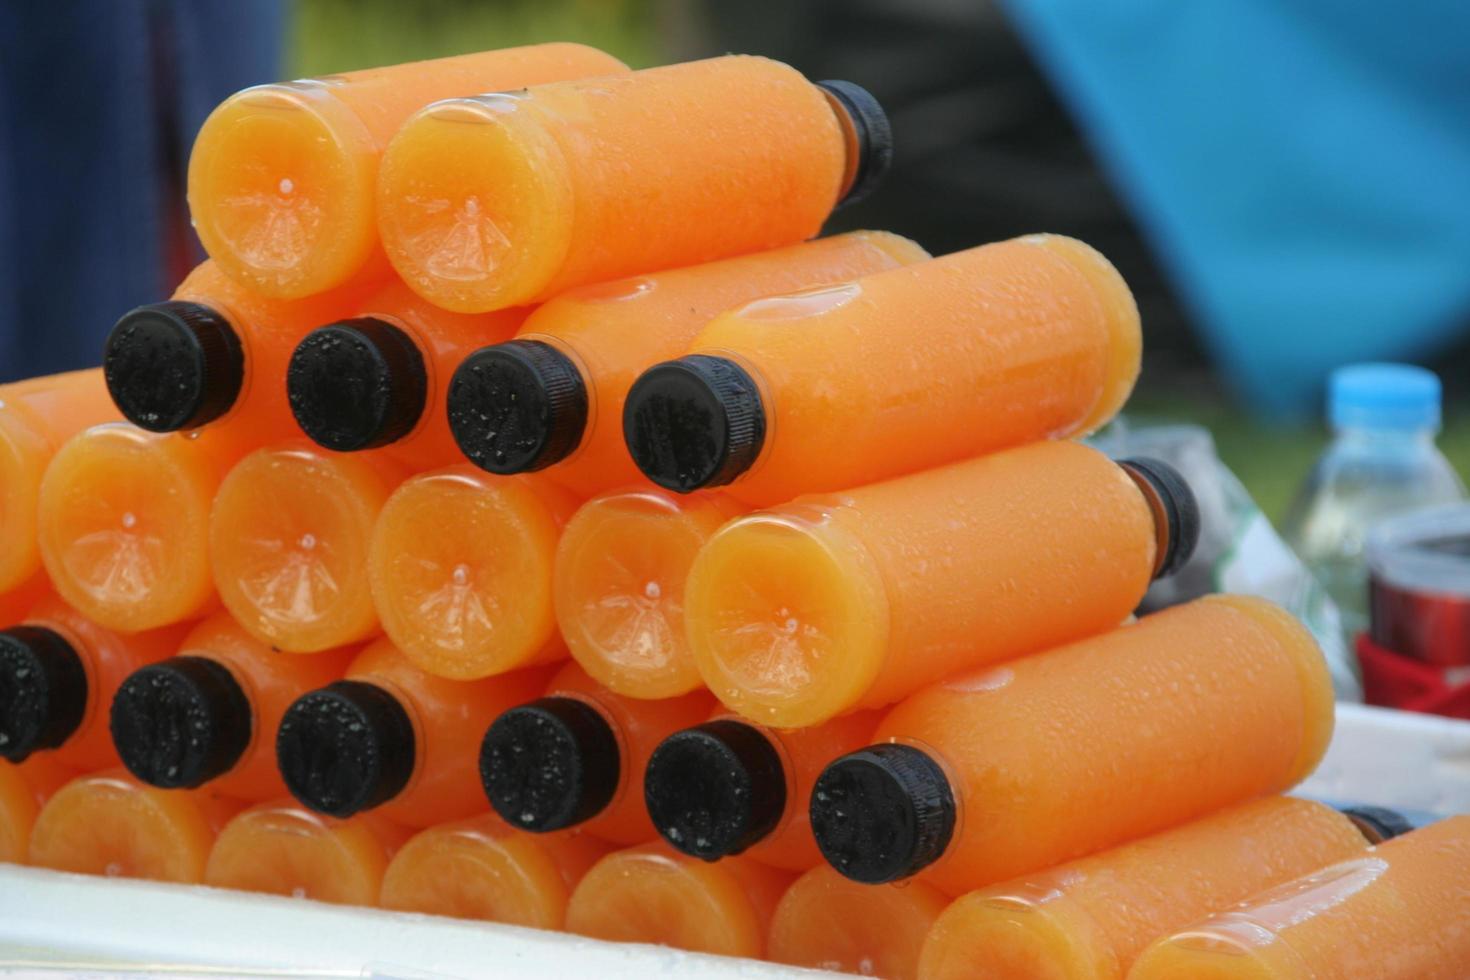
x,y
36,417
289,533
380,377
1398,912
1089,919
281,178
896,372
1012,769
18,602
576,756
24,789
855,600
481,868
58,673
510,198
731,787
209,715
554,395
279,848
653,894
110,824
391,738
460,566
827,922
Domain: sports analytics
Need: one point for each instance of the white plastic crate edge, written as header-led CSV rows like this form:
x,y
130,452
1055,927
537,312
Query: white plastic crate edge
x,y
1395,759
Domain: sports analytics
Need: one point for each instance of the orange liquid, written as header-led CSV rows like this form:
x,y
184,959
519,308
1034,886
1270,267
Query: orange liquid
x,y
808,610
826,922
24,789
281,848
110,824
460,567
1125,734
36,417
652,894
18,602
510,198
482,869
1396,913
1091,918
281,178
1027,339
289,533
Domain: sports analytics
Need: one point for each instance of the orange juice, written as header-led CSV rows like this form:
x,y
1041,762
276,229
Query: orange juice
x,y
482,869
280,848
553,397
17,602
289,535
1398,912
855,600
653,894
209,715
576,757
24,789
281,178
460,566
1008,770
391,738
893,373
1090,919
510,198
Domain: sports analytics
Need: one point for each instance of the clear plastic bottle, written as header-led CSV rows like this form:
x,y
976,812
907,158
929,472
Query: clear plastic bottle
x,y
1382,461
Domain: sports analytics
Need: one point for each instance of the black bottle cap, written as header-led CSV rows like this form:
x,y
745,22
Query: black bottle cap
x,y
357,384
716,789
874,137
173,365
345,748
882,813
1174,505
550,764
517,407
695,422
43,691
1377,823
180,723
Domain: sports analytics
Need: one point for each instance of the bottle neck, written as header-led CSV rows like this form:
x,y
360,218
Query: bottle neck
x,y
1379,439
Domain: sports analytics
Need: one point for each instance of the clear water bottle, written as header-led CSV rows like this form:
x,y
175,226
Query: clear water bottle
x,y
1382,462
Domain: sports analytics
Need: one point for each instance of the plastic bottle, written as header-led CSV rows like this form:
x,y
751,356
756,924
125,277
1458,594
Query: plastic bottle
x,y
799,613
290,531
653,894
481,868
731,787
58,673
460,567
575,757
1396,913
390,738
510,198
24,789
1382,462
1002,772
209,715
553,397
280,848
282,176
1090,919
826,922
893,373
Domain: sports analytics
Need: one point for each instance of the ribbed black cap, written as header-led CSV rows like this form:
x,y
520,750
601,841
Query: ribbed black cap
x,y
357,384
550,764
695,422
874,137
173,365
180,723
517,407
1377,823
345,748
882,813
716,789
43,691
1177,504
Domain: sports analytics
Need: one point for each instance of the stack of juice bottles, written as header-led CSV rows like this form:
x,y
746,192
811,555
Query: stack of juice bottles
x,y
523,517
